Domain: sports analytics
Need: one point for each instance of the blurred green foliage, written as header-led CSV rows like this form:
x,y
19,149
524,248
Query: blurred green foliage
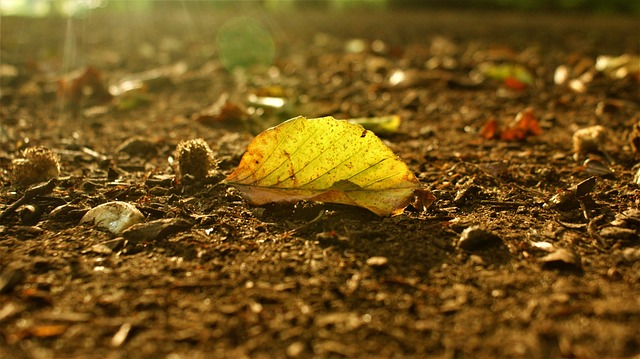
x,y
597,6
39,8
243,42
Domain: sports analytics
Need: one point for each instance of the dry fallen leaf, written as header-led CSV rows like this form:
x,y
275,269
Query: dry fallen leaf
x,y
525,125
49,330
72,88
325,160
513,76
385,125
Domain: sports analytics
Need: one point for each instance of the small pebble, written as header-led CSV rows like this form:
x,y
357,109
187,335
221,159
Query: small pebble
x,y
561,258
631,254
377,261
476,237
545,246
588,139
295,349
114,216
121,335
561,75
477,260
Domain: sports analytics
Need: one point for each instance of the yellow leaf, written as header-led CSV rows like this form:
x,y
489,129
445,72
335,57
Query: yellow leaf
x,y
325,160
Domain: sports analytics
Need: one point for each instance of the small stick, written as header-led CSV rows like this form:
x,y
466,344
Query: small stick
x,y
32,192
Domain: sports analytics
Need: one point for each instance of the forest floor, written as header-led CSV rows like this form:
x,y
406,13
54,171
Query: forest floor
x,y
530,249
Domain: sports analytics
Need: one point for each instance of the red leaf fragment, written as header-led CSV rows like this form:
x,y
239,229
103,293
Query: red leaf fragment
x,y
88,83
524,125
422,199
513,83
51,330
528,122
38,331
224,110
490,130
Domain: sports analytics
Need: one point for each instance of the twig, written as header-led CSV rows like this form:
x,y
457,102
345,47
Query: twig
x,y
308,224
592,229
38,190
503,203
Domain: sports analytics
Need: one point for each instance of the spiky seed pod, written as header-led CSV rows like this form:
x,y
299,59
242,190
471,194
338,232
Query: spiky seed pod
x,y
38,164
195,158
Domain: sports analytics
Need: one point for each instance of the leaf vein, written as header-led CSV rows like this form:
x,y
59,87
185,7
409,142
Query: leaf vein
x,y
301,144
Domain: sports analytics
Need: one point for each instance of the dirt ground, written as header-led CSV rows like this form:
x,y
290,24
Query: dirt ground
x,y
527,251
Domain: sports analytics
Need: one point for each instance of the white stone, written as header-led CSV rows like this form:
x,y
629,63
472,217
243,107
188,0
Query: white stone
x,y
114,217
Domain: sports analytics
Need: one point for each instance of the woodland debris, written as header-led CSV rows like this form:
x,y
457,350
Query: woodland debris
x,y
476,237
29,214
83,84
38,164
377,261
224,110
67,211
609,106
121,335
10,278
619,67
107,247
562,258
631,254
195,158
597,167
630,218
32,192
114,216
524,125
544,246
138,147
155,230
589,140
574,197
315,160
619,233
513,76
402,79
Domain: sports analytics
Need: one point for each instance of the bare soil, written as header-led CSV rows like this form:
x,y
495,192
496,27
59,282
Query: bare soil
x,y
538,277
